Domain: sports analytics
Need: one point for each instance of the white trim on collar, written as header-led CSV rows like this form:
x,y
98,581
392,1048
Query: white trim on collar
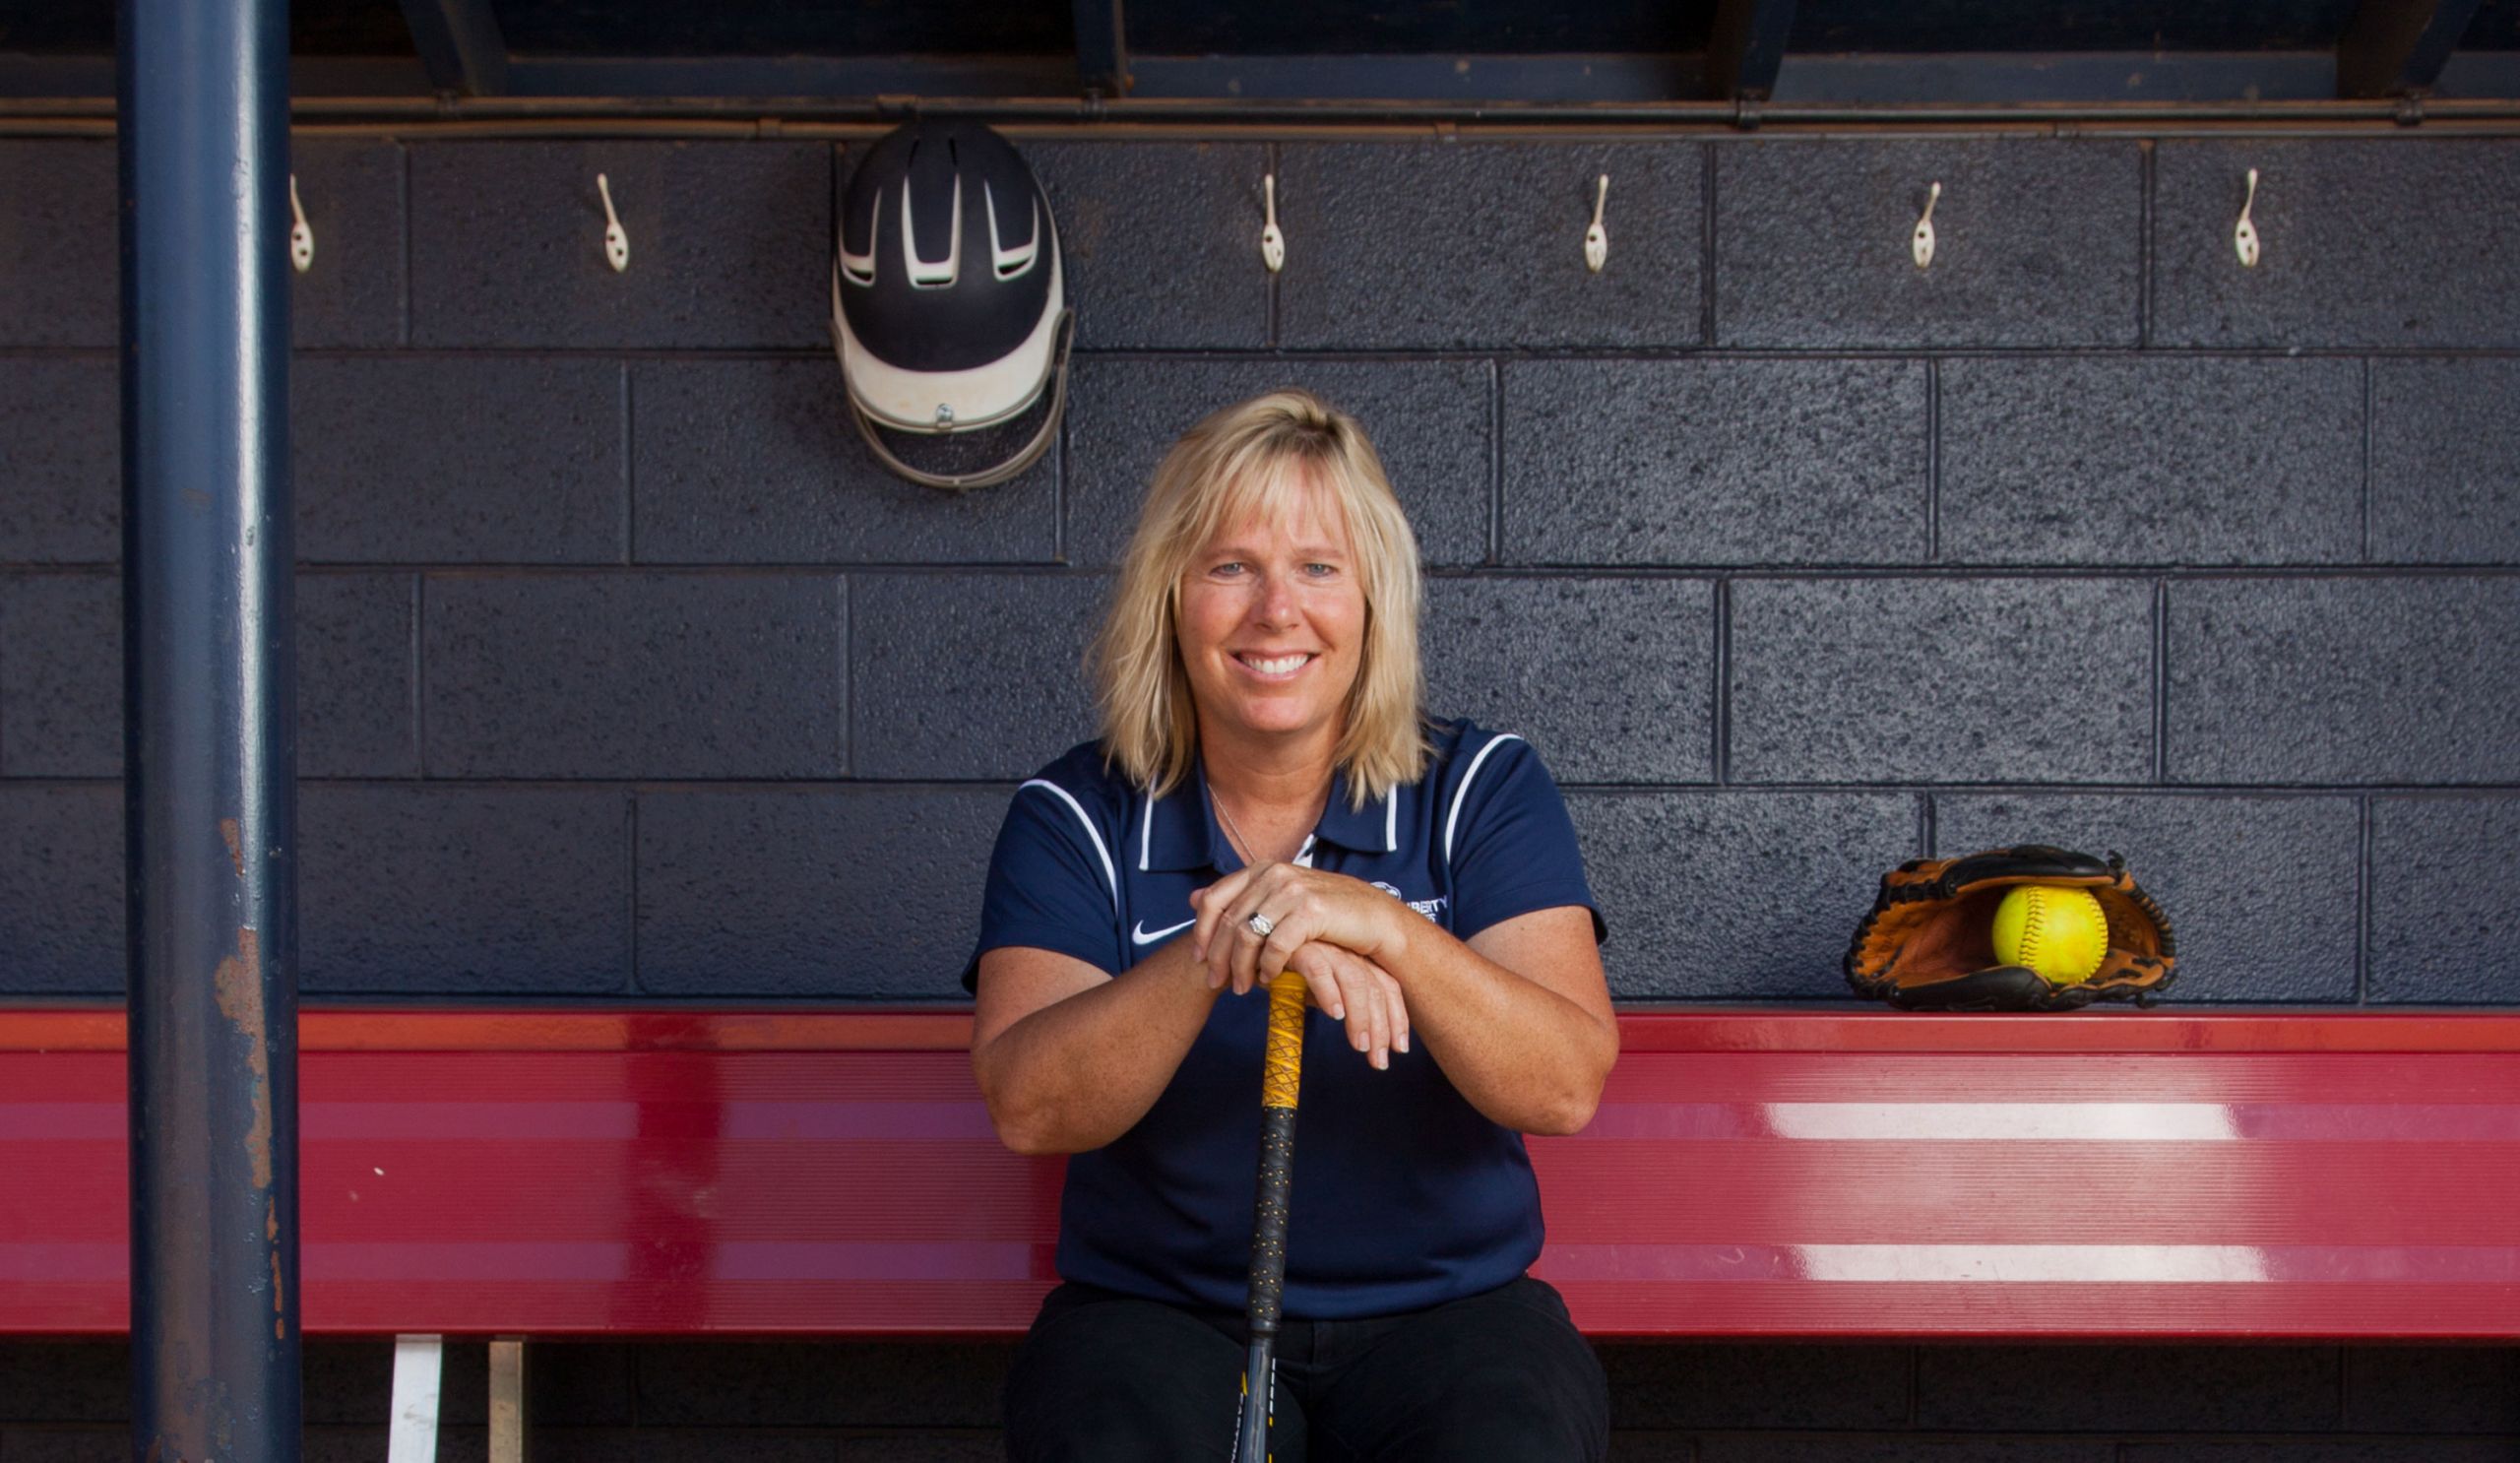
x,y
1461,793
1090,832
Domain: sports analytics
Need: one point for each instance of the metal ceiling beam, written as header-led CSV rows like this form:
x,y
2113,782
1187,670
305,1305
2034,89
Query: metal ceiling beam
x,y
862,79
24,77
1745,46
2391,47
2036,78
459,40
1101,49
1333,79
2285,88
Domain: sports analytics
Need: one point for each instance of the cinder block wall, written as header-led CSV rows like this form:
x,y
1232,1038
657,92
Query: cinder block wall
x,y
625,675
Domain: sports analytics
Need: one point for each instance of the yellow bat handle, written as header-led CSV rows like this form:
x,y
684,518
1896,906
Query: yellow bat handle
x,y
1284,1074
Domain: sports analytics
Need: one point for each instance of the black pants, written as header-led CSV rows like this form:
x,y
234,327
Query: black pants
x,y
1502,1378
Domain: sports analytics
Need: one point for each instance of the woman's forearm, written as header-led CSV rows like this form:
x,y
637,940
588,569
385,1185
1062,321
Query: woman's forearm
x,y
1082,1070
1524,1055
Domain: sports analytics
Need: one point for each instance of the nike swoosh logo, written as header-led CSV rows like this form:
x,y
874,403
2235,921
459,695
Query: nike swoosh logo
x,y
1142,938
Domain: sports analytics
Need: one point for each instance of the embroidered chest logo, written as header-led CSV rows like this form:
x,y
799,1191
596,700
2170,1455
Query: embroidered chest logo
x,y
1430,908
1146,936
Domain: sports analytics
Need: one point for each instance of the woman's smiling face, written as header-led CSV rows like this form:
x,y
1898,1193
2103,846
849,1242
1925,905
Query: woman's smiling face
x,y
1273,619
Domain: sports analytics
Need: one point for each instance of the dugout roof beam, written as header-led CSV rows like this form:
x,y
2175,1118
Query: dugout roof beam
x,y
2396,47
1273,62
1101,49
459,41
1744,46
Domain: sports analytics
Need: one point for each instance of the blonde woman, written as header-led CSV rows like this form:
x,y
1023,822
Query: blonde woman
x,y
1268,795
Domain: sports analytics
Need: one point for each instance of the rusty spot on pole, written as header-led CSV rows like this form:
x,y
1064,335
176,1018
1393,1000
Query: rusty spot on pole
x,y
235,850
280,1299
238,984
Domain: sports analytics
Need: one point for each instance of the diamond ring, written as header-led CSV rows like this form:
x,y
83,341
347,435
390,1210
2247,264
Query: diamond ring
x,y
1260,925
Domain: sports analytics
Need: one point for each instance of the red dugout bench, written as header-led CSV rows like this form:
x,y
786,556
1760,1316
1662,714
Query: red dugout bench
x,y
1751,1173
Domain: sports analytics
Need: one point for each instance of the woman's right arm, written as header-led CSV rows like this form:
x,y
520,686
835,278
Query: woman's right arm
x,y
1070,1057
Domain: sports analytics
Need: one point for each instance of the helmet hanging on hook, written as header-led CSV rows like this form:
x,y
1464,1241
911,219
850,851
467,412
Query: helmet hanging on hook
x,y
949,306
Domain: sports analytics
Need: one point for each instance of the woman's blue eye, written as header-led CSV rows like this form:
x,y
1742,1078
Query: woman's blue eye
x,y
1316,570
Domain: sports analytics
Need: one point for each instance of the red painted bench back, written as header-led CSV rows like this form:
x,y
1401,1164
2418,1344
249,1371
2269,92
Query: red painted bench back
x,y
1751,1173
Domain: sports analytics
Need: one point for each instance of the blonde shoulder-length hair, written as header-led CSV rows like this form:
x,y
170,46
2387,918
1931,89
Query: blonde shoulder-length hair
x,y
1246,459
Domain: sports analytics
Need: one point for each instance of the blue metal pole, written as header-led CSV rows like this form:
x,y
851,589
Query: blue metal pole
x,y
210,702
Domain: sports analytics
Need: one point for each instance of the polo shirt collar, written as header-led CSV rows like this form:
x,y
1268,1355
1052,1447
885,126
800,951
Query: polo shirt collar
x,y
1180,830
1362,830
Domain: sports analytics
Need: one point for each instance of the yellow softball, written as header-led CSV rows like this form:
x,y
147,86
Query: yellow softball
x,y
2056,931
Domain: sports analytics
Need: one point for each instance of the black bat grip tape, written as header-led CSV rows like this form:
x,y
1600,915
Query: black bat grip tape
x,y
1269,1220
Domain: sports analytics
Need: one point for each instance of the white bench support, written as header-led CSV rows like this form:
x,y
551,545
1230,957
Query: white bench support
x,y
417,1361
507,1400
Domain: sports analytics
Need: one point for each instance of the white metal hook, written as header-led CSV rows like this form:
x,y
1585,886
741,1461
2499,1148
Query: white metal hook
x,y
301,239
1273,244
1920,244
2245,233
616,242
1597,239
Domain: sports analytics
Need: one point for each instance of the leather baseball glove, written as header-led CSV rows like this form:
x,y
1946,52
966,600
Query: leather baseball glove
x,y
1928,944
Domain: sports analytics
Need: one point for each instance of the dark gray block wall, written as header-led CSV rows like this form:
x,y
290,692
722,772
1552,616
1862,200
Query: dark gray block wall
x,y
1794,560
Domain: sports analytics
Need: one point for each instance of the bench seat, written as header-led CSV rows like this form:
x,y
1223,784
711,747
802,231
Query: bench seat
x,y
1751,1173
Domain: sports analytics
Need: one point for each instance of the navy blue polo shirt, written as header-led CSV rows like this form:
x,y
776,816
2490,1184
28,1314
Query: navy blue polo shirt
x,y
1405,1196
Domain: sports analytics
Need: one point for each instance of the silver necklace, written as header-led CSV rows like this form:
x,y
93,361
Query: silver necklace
x,y
1241,844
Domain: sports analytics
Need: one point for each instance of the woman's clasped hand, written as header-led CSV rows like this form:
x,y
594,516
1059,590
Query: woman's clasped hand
x,y
1340,933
